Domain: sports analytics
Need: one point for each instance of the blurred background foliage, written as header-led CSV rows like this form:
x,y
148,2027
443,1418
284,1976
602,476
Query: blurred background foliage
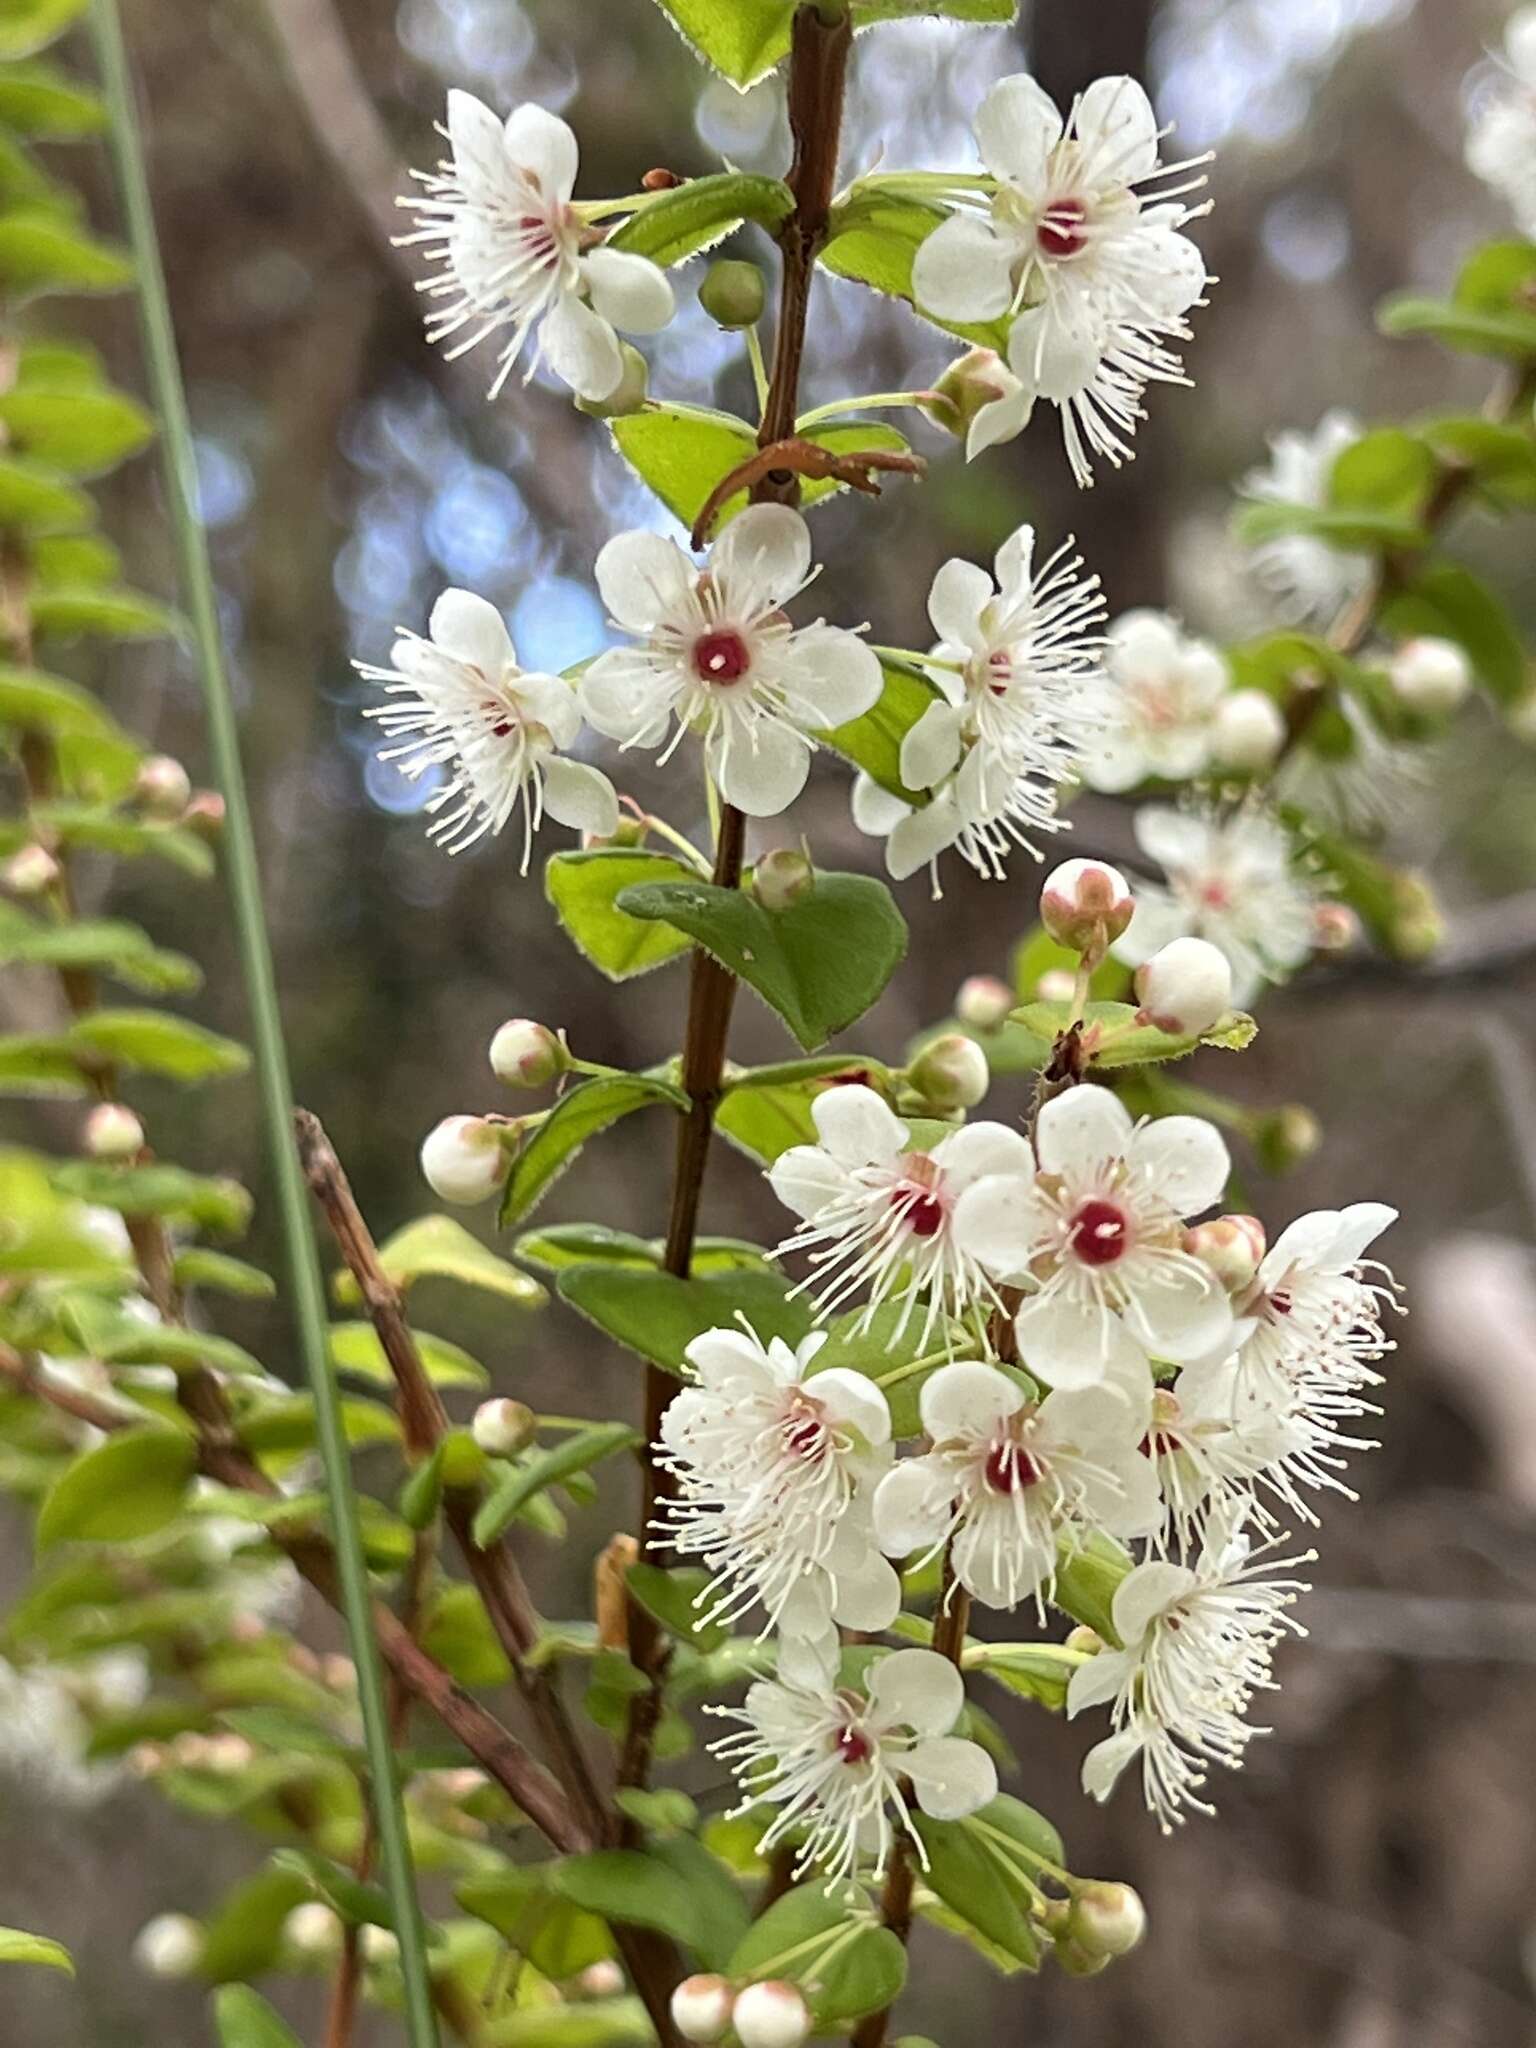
x,y
1372,1879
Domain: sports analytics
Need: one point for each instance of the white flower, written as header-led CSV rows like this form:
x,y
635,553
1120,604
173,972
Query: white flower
x,y
1363,790
1197,1644
1008,1481
718,654
1097,1231
1167,687
498,218
1206,1445
1313,1306
1230,881
1501,135
1096,272
880,1213
1019,667
838,1761
459,701
770,1462
1310,580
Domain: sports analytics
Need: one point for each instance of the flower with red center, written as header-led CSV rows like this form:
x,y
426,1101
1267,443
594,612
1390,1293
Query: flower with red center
x,y
1164,690
880,1214
1095,1236
499,219
1010,1485
717,655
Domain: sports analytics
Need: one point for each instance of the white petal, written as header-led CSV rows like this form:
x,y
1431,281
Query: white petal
x,y
619,697
1185,1159
1017,127
868,1598
1074,1345
629,291
1170,272
837,672
721,1357
917,1689
1116,121
981,1149
581,348
931,748
924,834
763,557
1145,1594
968,1400
951,1777
963,272
1115,761
913,1505
875,810
858,1128
470,629
1174,839
1097,1681
1107,1759
1144,645
551,702
961,593
1015,563
581,796
1003,420
1183,1316
1359,1227
1078,1132
1055,349
808,1659
646,580
762,771
541,145
853,1398
479,149
1159,918
994,1222
806,1180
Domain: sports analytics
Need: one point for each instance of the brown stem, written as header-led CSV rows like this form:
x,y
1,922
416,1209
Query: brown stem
x,y
859,470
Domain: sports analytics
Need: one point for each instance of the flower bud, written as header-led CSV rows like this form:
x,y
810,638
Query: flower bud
x,y
1056,985
984,1002
112,1131
338,1672
1247,731
30,871
1107,1919
1185,988
312,1929
701,2008
1286,1138
163,786
771,2015
627,833
1078,1961
170,1945
1418,929
951,1072
503,1428
205,814
732,293
602,1979
527,1055
1335,927
1085,904
978,378
782,878
1430,675
462,1160
1086,1639
628,395
1231,1247
378,1944
227,1755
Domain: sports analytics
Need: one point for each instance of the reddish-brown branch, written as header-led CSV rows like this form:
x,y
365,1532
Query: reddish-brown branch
x,y
795,457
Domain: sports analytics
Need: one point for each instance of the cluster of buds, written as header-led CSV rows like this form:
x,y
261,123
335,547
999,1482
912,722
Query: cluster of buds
x,y
466,1159
1100,1922
767,2015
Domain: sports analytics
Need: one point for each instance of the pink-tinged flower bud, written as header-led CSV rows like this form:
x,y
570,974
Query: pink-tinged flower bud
x,y
701,2008
951,1072
528,1055
1430,675
1086,904
782,878
1247,731
312,1929
228,1754
463,1160
1231,1247
338,1672
1077,1961
984,1002
1185,988
169,1946
771,2015
977,379
1056,985
1107,1919
30,871
628,395
1418,929
733,293
112,1131
503,1428
163,786
146,1759
1335,927
205,814
601,1980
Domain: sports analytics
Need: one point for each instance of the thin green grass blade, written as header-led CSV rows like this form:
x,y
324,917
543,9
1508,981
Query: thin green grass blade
x,y
266,1021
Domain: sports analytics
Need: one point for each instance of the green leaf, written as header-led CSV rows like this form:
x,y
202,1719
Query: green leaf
x,y
659,1315
1471,330
41,100
1353,527
158,1043
1133,1044
36,499
458,1633
158,1189
27,26
820,963
1387,470
439,1248
83,433
630,1886
39,252
1086,1578
357,1902
874,238
33,701
129,1486
745,38
245,2020
16,1947
355,1347
720,1915
582,888
198,1267
61,612
959,1870
578,1452
1447,601
583,1244
100,945
105,830
1502,457
691,217
899,1365
677,1599
583,1113
245,1934
794,1940
873,742
34,1064
107,1331
766,1111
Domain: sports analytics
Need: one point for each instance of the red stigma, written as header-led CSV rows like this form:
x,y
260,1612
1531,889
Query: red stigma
x,y
922,1213
854,1746
1010,1468
804,1435
1099,1234
1062,231
721,658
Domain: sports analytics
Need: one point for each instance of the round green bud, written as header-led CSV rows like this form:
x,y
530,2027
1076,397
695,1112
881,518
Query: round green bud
x,y
628,395
732,293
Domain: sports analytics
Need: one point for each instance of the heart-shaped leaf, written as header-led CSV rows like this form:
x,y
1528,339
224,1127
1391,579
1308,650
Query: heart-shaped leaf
x,y
591,1107
658,1315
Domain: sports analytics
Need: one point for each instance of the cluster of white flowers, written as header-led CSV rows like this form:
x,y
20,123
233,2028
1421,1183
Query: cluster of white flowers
x,y
1501,136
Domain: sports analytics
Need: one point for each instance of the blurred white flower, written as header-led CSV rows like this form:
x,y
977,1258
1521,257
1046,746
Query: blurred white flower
x,y
1165,687
1501,135
1310,581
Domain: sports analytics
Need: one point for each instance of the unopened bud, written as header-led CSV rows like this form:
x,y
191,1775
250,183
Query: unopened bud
x,y
30,871
1335,927
163,786
629,832
1247,731
1185,987
1078,1961
205,814
628,395
1056,985
601,1980
972,382
463,1160
1087,1641
503,1428
312,1929
146,1759
338,1672
1231,1247
1107,1919
782,878
112,1131
771,2015
984,1002
701,2008
378,1944
1418,929
227,1755
951,1072
1288,1137
661,180
1431,675
1086,904
732,293
527,1055
170,1945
